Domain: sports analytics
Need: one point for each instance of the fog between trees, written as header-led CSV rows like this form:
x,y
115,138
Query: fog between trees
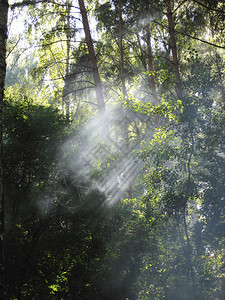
x,y
112,150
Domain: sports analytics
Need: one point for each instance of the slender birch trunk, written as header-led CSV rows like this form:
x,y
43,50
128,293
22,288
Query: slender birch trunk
x,y
3,38
93,60
174,49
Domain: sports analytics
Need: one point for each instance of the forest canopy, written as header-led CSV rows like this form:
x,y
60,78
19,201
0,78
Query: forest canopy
x,y
112,157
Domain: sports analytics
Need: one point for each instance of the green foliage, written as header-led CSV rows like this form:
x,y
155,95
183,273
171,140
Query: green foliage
x,y
71,231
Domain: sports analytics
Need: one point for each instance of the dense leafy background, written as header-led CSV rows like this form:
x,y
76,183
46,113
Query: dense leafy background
x,y
72,232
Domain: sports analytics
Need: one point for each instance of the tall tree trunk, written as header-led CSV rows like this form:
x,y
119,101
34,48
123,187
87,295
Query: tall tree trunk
x,y
66,99
93,60
122,71
174,48
3,37
217,60
125,97
151,69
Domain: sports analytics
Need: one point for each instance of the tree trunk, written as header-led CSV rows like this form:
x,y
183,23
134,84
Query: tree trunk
x,y
151,69
93,60
217,59
174,49
122,71
125,97
3,37
66,99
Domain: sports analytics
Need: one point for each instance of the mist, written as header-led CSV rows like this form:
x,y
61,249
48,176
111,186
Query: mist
x,y
113,151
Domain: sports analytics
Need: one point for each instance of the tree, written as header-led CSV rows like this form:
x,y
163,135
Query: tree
x,y
152,78
3,37
124,96
174,49
93,60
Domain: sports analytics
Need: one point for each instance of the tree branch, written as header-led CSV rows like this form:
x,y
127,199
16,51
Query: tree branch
x,y
200,40
209,8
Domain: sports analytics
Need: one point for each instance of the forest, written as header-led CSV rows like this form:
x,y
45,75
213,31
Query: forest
x,y
112,153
